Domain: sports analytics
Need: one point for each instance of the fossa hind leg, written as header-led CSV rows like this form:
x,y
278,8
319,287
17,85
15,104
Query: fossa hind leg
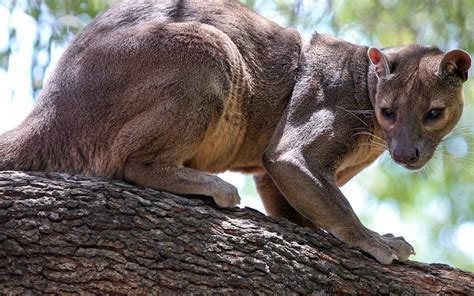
x,y
189,87
182,180
165,146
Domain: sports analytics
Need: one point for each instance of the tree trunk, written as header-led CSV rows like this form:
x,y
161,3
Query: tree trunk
x,y
69,234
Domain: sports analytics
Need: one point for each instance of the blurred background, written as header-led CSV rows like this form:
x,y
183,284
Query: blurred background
x,y
433,209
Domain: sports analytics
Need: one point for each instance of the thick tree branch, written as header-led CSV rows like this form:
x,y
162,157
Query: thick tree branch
x,y
69,234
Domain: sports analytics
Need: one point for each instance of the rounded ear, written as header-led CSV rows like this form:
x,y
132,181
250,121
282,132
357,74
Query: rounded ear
x,y
455,63
380,62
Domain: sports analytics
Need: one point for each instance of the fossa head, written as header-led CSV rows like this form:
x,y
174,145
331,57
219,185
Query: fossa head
x,y
419,98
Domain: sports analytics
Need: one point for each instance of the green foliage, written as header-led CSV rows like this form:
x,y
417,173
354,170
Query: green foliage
x,y
447,23
439,200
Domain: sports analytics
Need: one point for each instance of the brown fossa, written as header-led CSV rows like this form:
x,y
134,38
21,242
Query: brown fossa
x,y
164,93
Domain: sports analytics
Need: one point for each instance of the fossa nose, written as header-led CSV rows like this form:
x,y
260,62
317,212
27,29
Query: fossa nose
x,y
406,155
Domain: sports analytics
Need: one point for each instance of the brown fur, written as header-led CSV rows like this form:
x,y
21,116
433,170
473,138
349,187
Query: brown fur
x,y
275,203
164,93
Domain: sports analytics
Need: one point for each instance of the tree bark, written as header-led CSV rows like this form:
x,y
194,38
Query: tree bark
x,y
79,235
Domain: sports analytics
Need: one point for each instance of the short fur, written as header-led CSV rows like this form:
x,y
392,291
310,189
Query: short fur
x,y
164,93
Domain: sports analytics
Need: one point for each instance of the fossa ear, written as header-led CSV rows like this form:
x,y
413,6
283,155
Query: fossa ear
x,y
455,63
380,62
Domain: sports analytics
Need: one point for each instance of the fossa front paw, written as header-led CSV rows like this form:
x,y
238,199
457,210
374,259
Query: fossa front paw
x,y
386,248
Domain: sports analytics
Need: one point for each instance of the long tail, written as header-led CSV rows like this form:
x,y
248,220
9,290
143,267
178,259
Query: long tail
x,y
7,151
15,154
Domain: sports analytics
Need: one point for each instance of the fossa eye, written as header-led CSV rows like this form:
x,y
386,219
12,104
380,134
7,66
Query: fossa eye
x,y
388,113
434,114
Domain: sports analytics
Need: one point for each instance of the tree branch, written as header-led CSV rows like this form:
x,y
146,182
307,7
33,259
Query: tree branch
x,y
70,234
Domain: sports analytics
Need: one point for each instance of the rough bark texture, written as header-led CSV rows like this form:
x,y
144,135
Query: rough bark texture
x,y
68,234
